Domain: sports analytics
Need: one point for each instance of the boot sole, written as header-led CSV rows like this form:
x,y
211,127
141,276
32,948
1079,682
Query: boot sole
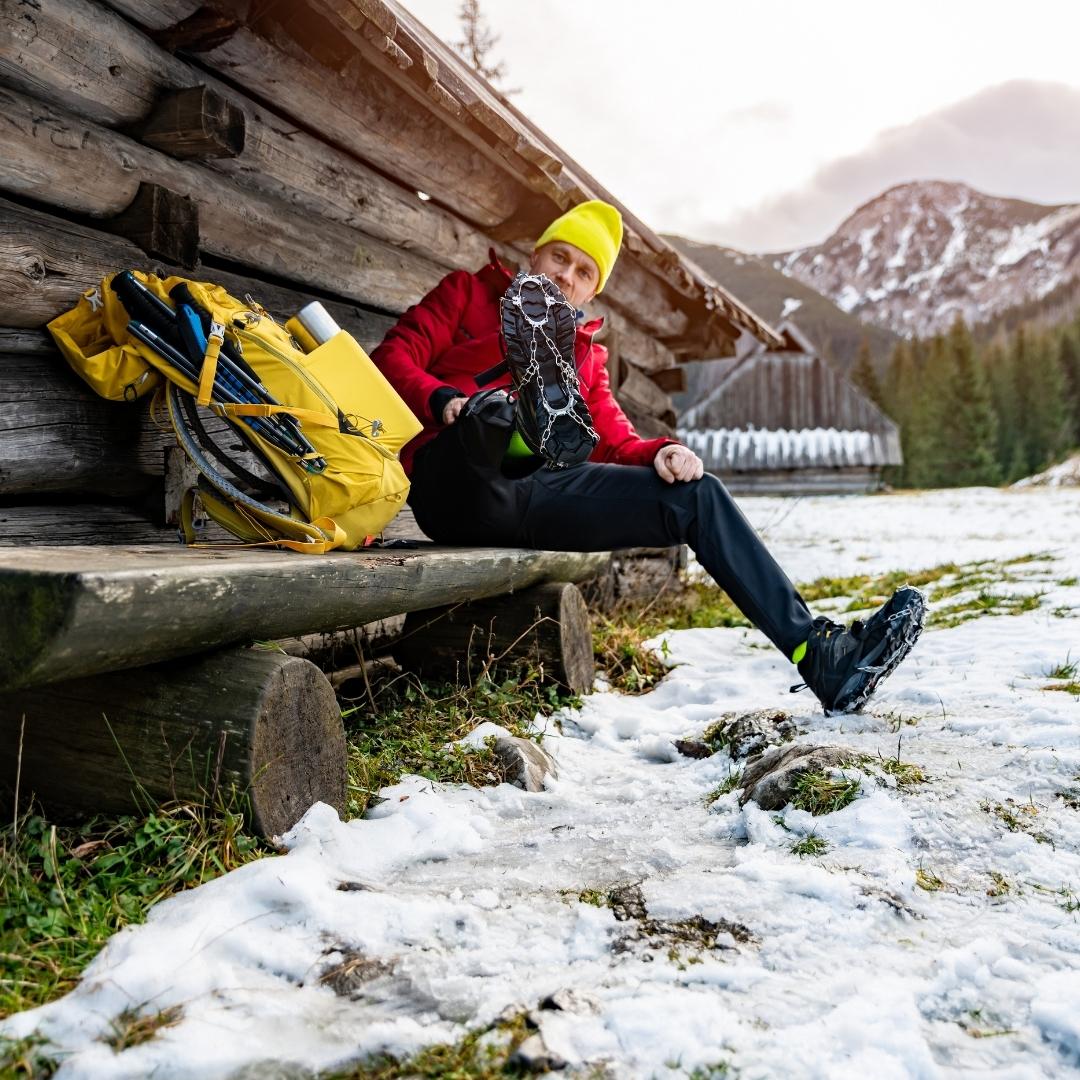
x,y
863,685
552,416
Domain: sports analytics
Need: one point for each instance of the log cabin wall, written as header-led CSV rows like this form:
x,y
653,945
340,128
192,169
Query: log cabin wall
x,y
329,149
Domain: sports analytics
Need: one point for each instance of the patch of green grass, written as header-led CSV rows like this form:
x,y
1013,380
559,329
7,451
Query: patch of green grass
x,y
1017,817
1062,612
25,1058
65,891
1069,582
483,1054
618,634
593,896
131,1028
866,590
1071,900
414,726
1072,688
1068,669
904,773
809,845
928,880
950,579
619,653
721,1070
733,780
1001,885
983,603
1035,556
821,793
973,1025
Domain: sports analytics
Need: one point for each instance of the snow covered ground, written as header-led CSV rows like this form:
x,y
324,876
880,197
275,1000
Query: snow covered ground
x,y
465,903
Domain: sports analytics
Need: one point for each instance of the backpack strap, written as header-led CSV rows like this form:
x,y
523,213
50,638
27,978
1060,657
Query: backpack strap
x,y
240,513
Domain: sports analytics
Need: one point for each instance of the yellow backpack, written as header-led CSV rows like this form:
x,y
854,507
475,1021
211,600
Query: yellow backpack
x,y
324,424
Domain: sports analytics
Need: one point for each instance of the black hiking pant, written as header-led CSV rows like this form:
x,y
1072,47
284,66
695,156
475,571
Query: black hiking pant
x,y
461,494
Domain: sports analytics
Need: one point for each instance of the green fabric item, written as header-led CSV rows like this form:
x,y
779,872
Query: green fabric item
x,y
517,447
799,653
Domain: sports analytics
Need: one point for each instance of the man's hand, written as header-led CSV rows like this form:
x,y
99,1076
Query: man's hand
x,y
451,410
674,462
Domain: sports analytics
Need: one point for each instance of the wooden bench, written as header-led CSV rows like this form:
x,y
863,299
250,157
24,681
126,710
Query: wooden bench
x,y
128,672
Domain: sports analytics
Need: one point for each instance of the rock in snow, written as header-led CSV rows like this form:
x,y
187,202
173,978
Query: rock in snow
x,y
771,780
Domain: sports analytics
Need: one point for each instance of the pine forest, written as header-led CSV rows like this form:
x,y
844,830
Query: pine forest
x,y
974,412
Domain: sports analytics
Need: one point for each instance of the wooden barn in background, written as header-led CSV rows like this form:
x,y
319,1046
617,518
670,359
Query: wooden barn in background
x,y
786,422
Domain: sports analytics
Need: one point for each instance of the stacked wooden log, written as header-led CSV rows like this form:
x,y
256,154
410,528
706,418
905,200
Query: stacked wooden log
x,y
328,148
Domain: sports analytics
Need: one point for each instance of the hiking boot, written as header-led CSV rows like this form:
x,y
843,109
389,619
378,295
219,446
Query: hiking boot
x,y
539,327
843,665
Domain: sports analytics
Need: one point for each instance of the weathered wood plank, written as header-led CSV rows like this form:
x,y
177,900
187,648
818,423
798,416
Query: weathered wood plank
x,y
25,342
643,396
546,627
278,160
156,14
671,380
57,435
99,65
370,116
49,151
196,122
344,649
71,524
633,343
90,610
83,57
46,263
162,223
252,728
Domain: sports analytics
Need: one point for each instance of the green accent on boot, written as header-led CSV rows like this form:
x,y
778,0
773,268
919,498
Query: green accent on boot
x,y
799,653
517,447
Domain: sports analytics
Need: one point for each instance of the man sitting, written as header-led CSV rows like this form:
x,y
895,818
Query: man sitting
x,y
479,482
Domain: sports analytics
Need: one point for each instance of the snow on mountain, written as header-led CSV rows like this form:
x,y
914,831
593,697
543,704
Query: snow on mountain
x,y
922,253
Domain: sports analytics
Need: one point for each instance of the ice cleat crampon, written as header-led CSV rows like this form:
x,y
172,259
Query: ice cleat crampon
x,y
538,332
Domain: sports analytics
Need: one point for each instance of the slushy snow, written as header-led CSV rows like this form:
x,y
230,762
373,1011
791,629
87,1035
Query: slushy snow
x,y
466,902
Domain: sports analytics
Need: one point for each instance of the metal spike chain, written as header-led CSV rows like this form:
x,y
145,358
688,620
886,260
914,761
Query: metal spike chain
x,y
567,370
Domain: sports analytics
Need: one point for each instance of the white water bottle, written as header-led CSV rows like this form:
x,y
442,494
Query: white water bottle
x,y
318,322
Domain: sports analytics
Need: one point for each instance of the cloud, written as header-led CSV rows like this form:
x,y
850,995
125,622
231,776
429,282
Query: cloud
x,y
761,112
1017,139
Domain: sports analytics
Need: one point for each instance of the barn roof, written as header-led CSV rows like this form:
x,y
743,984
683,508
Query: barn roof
x,y
412,55
751,450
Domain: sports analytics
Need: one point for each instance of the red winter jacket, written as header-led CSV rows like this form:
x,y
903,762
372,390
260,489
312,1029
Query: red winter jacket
x,y
452,335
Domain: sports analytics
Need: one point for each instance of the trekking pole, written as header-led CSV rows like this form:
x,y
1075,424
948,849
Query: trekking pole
x,y
233,361
146,308
179,361
244,389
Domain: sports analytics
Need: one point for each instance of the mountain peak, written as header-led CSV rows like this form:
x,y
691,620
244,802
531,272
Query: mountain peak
x,y
922,252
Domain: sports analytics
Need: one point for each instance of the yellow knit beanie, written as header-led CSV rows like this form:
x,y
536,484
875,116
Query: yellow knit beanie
x,y
595,227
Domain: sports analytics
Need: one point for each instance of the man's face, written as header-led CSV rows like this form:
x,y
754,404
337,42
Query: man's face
x,y
576,273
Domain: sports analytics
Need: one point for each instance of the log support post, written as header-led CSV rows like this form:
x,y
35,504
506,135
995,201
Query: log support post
x,y
195,123
164,224
546,626
258,727
180,474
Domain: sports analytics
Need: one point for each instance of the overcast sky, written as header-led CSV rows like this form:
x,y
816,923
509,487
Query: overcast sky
x,y
763,124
